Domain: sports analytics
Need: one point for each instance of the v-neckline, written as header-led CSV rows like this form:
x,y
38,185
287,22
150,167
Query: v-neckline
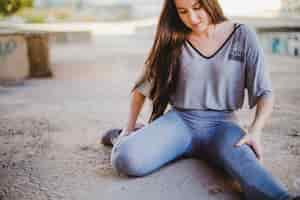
x,y
236,26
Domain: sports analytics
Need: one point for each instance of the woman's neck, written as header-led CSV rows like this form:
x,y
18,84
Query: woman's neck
x,y
210,32
206,34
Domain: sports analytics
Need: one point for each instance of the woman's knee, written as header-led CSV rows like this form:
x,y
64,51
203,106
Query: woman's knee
x,y
128,161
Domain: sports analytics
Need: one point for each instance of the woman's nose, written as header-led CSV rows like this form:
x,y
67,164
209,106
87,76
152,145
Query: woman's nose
x,y
193,18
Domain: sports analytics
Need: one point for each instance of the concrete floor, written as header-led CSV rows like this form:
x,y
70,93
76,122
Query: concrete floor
x,y
50,130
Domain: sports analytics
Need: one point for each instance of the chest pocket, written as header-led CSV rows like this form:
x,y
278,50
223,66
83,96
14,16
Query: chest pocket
x,y
236,53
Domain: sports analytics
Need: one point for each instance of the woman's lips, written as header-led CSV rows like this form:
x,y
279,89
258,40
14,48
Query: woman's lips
x,y
196,25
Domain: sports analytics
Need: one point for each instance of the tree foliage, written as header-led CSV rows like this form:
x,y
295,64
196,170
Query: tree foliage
x,y
8,7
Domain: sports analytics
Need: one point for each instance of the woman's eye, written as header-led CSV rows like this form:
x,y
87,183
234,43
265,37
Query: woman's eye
x,y
197,6
182,12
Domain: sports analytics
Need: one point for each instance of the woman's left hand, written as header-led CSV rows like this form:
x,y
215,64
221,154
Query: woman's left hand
x,y
252,139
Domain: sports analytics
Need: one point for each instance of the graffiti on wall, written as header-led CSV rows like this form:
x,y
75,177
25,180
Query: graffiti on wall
x,y
7,47
282,43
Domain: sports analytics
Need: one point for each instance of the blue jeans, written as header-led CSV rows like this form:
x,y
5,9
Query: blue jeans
x,y
208,135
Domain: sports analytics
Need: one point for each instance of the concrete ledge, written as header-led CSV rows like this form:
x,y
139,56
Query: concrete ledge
x,y
70,36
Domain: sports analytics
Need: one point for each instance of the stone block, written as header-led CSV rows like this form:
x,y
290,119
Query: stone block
x,y
14,63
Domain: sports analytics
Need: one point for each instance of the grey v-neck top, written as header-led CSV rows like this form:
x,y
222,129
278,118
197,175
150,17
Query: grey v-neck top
x,y
218,82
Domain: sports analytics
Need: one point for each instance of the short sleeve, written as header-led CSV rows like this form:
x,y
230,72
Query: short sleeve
x,y
258,82
144,88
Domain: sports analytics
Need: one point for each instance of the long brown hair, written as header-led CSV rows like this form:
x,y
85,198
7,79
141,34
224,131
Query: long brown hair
x,y
163,63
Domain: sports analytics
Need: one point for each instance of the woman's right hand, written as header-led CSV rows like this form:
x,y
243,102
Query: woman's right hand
x,y
123,133
127,131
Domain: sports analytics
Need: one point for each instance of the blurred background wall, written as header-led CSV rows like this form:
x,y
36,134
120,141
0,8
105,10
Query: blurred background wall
x,y
277,21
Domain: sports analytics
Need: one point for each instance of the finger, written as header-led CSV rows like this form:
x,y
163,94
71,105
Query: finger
x,y
259,151
242,141
124,133
138,126
256,150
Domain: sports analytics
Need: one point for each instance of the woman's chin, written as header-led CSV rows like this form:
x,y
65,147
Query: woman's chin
x,y
200,29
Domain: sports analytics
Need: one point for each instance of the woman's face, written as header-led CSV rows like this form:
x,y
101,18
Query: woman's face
x,y
193,15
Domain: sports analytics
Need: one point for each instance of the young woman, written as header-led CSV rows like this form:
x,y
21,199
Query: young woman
x,y
200,63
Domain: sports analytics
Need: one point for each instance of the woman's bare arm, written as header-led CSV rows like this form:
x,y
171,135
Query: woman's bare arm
x,y
136,104
264,109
